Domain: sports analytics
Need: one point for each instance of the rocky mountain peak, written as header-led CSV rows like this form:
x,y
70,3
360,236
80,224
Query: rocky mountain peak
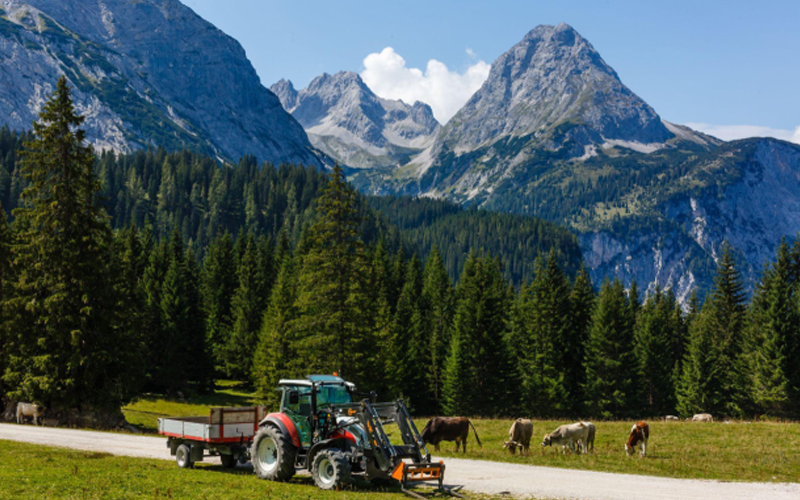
x,y
347,121
553,78
286,92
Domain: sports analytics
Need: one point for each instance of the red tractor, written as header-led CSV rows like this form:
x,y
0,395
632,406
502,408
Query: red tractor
x,y
322,427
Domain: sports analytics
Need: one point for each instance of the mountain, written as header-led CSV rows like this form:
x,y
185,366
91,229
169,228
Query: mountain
x,y
145,72
347,121
554,133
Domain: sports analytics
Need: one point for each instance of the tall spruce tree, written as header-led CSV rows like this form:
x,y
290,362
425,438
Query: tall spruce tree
x,y
655,354
218,287
609,389
713,377
334,328
479,372
772,339
275,355
437,299
582,300
248,307
545,321
68,348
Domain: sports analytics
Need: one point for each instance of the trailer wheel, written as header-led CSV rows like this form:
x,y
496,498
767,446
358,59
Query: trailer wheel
x,y
228,461
331,470
183,456
273,455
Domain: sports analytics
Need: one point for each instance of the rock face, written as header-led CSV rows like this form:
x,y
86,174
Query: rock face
x,y
145,72
747,194
348,122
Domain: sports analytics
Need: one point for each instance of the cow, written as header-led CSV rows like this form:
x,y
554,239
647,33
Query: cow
x,y
456,429
29,411
702,417
519,435
567,435
640,433
670,418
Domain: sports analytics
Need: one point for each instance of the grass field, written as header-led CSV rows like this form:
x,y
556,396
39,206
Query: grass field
x,y
761,451
32,471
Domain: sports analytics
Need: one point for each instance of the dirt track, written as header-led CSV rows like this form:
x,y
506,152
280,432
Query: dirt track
x,y
473,475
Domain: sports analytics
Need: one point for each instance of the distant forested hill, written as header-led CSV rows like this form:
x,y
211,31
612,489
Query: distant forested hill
x,y
201,198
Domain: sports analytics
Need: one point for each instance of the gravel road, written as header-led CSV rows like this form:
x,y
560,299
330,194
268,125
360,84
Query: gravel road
x,y
474,475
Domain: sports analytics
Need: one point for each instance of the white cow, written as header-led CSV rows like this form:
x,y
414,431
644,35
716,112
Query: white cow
x,y
569,435
703,417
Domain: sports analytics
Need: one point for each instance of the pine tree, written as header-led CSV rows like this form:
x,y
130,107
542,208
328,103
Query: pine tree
x,y
275,356
655,355
248,309
334,330
546,314
479,373
771,337
68,348
218,287
582,300
713,378
437,299
610,364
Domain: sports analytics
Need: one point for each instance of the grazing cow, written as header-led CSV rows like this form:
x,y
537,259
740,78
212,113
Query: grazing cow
x,y
519,435
703,417
640,433
29,411
669,418
567,435
456,429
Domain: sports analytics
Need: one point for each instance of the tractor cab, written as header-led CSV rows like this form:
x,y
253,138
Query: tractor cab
x,y
307,402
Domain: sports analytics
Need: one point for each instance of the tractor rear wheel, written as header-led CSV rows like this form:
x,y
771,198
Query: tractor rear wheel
x,y
331,470
273,455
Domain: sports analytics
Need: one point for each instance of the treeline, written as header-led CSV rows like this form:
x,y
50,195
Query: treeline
x,y
92,317
456,230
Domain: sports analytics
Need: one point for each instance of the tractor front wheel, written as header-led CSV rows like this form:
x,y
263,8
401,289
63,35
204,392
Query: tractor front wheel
x,y
331,470
273,455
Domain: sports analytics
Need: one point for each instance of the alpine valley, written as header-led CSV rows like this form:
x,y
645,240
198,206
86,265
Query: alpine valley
x,y
552,133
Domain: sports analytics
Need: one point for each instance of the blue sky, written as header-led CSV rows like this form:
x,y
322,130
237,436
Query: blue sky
x,y
712,64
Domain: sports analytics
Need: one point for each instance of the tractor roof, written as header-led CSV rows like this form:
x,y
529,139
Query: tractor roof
x,y
319,379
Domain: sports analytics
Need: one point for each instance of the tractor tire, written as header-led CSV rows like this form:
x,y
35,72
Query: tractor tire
x,y
331,470
228,461
183,457
273,455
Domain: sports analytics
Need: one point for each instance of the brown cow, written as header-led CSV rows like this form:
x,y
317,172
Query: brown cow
x,y
519,435
456,429
640,433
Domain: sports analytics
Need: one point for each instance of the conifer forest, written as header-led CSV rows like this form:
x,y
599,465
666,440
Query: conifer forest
x,y
158,272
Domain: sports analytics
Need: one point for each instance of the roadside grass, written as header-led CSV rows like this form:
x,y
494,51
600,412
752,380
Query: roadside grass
x,y
34,471
738,451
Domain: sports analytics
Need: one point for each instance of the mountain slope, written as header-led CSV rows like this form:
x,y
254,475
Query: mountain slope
x,y
149,72
348,122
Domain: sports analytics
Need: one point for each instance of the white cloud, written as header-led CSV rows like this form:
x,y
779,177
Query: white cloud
x,y
444,90
733,132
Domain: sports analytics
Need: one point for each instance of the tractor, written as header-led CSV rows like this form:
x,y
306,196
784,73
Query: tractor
x,y
338,434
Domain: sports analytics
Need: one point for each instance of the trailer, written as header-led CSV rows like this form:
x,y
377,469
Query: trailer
x,y
226,432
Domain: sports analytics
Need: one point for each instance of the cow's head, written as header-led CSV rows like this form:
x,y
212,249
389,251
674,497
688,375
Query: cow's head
x,y
629,450
546,440
427,434
511,445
